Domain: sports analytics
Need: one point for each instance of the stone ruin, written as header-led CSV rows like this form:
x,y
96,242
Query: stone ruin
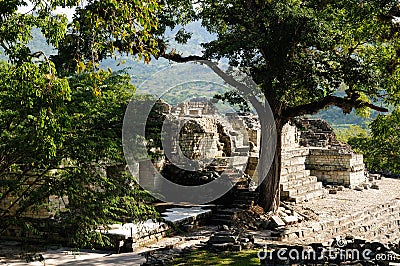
x,y
229,144
311,155
311,158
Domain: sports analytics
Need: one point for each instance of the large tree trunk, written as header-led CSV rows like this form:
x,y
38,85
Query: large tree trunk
x,y
269,191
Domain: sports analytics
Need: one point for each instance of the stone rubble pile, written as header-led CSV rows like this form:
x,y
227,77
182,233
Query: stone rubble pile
x,y
229,238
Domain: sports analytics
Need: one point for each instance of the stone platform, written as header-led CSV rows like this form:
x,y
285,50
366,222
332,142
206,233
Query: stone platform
x,y
372,214
150,231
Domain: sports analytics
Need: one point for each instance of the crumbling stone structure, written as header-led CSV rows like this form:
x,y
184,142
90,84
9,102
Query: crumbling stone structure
x,y
328,159
311,155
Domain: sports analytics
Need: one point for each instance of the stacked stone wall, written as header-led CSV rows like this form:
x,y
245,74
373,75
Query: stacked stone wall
x,y
199,138
333,167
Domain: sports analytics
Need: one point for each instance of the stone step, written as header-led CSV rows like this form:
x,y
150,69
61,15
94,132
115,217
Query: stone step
x,y
232,174
220,216
245,192
242,149
369,222
299,182
231,212
298,160
331,167
243,202
307,196
296,152
243,154
364,224
221,222
239,161
242,184
292,176
241,198
371,228
298,190
245,196
240,206
287,170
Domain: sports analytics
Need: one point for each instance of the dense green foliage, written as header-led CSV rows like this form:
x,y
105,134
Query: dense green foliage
x,y
67,142
352,131
61,116
381,148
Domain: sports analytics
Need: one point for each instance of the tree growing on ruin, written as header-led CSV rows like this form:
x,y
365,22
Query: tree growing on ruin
x,y
305,56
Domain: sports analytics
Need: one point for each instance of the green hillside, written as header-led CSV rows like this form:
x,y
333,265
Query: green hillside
x,y
141,72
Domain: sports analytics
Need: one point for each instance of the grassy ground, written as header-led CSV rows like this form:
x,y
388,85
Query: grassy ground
x,y
203,257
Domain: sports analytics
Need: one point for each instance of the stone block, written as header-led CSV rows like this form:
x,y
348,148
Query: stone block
x,y
366,185
276,221
374,186
237,247
222,246
223,239
290,219
358,188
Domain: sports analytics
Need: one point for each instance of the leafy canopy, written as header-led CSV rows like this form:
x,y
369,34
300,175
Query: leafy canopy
x,y
381,147
61,117
301,53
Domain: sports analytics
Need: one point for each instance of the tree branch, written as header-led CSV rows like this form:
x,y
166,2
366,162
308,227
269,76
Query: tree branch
x,y
175,57
345,104
246,92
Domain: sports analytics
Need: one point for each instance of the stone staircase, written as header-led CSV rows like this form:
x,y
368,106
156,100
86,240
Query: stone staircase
x,y
380,222
296,183
315,133
242,199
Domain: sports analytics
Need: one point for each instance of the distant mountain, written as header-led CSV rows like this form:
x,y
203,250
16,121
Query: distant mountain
x,y
140,71
335,117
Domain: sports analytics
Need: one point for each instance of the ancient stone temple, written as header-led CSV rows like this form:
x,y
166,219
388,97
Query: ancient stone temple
x,y
328,159
229,144
311,155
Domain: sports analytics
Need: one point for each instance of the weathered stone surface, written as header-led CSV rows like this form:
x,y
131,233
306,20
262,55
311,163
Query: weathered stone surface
x,y
366,185
358,188
374,186
223,239
276,221
237,247
290,219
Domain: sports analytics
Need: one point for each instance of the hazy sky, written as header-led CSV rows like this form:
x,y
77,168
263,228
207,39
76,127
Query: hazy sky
x,y
59,10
